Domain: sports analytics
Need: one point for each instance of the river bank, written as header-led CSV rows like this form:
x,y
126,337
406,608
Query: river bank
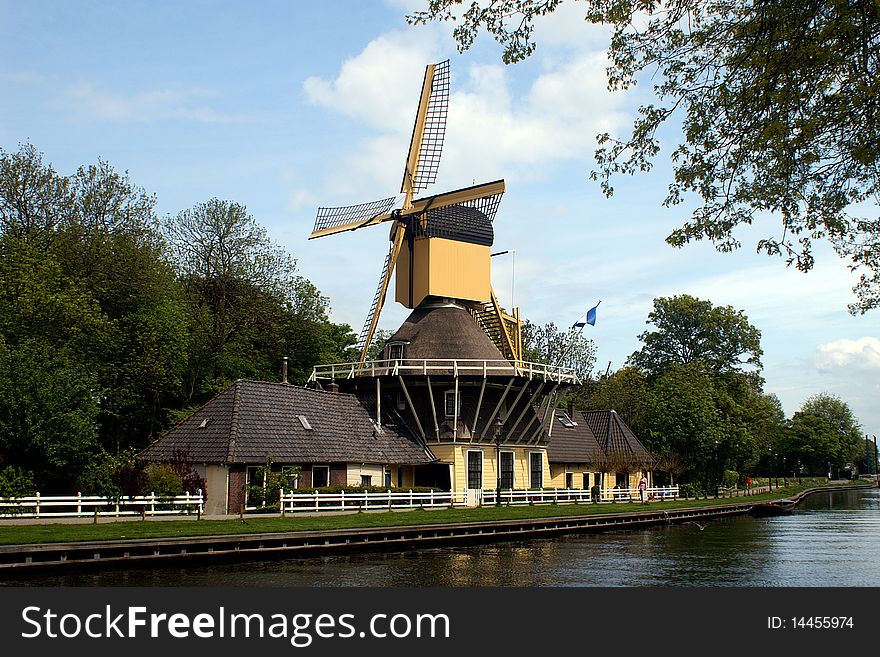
x,y
260,538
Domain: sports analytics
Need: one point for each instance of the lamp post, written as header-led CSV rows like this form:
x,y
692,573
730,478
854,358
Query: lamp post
x,y
716,474
770,468
499,424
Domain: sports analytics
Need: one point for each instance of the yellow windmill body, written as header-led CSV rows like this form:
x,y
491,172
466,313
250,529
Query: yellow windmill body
x,y
439,245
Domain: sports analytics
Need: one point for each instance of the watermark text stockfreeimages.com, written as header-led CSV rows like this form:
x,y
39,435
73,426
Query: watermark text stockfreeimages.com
x,y
300,629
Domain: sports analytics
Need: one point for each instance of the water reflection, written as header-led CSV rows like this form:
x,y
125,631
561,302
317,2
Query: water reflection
x,y
832,540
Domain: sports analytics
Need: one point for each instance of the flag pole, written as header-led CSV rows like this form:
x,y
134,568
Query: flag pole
x,y
571,342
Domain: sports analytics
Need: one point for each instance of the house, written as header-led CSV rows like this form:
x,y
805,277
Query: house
x,y
594,448
333,438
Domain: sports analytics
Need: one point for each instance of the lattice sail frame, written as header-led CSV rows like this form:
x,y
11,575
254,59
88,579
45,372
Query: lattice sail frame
x,y
433,131
352,214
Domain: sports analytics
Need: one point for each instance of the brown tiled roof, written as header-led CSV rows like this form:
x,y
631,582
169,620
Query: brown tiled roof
x,y
596,434
253,419
575,444
613,434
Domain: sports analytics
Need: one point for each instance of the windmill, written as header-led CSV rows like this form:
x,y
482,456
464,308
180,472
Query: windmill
x,y
439,245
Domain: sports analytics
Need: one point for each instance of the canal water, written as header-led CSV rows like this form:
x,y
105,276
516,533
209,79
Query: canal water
x,y
832,539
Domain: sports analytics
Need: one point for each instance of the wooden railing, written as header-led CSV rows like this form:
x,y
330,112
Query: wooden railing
x,y
455,367
87,506
293,502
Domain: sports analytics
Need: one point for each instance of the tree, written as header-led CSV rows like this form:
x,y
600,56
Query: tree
x,y
625,391
683,419
48,413
690,330
83,269
810,444
547,344
845,430
248,307
777,103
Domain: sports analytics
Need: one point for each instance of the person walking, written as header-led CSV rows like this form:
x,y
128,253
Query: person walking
x,y
643,487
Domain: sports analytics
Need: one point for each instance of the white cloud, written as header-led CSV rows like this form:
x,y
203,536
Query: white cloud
x,y
860,354
380,85
502,124
89,101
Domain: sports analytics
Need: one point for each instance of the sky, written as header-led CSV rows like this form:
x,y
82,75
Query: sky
x,y
287,106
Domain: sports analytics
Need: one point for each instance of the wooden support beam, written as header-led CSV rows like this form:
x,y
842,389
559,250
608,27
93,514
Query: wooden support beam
x,y
497,406
433,410
479,405
528,407
412,408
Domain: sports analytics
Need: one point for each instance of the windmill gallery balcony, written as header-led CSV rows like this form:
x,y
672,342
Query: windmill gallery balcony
x,y
444,367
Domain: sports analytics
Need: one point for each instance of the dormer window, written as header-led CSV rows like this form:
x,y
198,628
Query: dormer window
x,y
396,350
566,420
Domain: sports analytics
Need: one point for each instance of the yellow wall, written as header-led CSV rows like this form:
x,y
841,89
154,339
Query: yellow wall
x,y
443,268
377,472
558,470
456,454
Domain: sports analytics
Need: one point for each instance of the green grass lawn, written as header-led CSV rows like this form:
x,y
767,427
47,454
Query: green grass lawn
x,y
60,533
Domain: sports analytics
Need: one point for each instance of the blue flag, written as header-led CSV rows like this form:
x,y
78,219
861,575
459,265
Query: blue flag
x,y
588,317
591,315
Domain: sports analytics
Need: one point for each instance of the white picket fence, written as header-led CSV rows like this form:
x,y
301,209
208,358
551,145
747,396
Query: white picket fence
x,y
577,495
292,502
89,506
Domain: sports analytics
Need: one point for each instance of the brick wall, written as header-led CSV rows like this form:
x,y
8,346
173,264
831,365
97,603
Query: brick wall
x,y
338,474
236,488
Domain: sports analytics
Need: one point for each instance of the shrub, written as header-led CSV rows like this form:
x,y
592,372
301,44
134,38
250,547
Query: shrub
x,y
161,479
113,475
16,482
730,478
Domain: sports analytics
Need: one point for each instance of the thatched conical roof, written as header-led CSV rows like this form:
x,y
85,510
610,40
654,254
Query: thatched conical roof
x,y
444,331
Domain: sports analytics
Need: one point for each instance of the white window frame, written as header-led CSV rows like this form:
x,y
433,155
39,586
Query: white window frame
x,y
512,467
456,411
541,483
315,467
392,346
287,468
467,468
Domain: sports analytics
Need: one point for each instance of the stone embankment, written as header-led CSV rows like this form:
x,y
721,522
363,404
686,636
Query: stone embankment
x,y
19,559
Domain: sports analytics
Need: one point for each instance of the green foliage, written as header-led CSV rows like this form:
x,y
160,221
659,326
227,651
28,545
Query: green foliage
x,y
690,330
683,418
113,322
823,432
112,475
777,107
625,391
161,479
48,412
547,344
16,482
270,481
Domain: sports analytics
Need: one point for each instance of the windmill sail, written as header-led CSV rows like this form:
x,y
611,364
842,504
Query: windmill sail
x,y
337,220
369,327
429,130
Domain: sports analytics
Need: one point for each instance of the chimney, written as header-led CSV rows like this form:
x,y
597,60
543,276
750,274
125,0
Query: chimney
x,y
571,409
333,387
284,370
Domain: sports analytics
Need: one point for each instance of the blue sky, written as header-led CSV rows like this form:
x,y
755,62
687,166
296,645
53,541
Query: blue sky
x,y
284,106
